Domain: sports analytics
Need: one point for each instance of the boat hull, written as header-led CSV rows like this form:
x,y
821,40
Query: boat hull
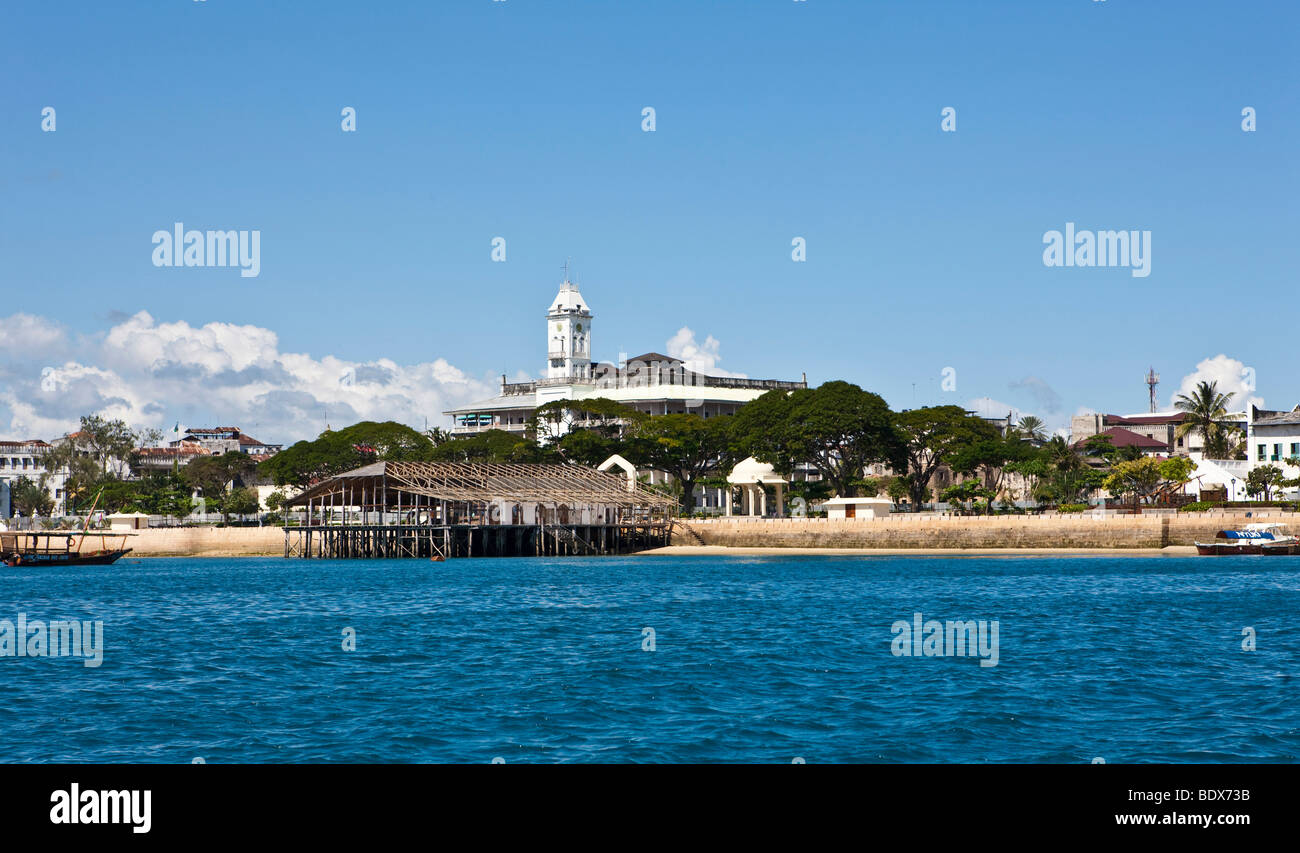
x,y
86,558
1216,549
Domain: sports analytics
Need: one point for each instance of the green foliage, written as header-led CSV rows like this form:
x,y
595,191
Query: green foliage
x,y
1071,508
970,491
837,428
934,436
30,498
685,446
1032,428
588,446
162,494
1207,412
493,445
1066,478
335,452
552,420
1137,477
240,501
812,491
1177,469
869,487
1262,481
1198,506
117,496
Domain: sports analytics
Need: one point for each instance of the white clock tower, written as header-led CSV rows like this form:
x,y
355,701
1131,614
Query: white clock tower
x,y
568,335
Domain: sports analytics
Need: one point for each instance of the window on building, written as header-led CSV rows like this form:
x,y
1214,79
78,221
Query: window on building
x,y
1277,452
1295,448
1263,453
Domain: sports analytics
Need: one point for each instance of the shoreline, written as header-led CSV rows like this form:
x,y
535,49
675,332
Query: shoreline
x,y
755,551
751,551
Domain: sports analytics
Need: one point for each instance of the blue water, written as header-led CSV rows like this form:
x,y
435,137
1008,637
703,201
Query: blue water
x,y
756,659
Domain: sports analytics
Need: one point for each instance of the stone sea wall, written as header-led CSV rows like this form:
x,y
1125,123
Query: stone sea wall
x,y
904,531
207,542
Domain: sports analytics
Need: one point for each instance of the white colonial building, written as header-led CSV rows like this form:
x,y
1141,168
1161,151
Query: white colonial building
x,y
652,383
26,459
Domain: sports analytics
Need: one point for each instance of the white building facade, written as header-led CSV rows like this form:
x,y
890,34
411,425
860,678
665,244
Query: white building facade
x,y
19,459
653,383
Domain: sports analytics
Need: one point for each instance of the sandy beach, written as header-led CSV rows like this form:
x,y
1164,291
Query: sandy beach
x,y
725,551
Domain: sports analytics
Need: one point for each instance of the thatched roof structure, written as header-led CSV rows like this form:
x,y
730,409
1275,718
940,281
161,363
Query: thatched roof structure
x,y
480,482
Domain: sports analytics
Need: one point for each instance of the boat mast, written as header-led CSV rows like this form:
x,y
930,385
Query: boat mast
x,y
85,525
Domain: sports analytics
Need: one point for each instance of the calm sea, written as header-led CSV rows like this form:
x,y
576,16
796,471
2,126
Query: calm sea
x,y
766,659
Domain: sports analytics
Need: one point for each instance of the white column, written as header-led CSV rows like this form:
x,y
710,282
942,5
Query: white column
x,y
780,500
762,500
728,491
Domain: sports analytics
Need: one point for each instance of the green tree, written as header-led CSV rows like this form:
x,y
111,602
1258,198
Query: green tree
x,y
988,457
118,496
762,429
30,498
493,445
837,428
1176,472
898,488
685,446
337,451
1032,428
968,491
163,493
601,415
934,435
240,501
1137,477
109,443
1067,477
1262,481
217,476
1207,412
81,473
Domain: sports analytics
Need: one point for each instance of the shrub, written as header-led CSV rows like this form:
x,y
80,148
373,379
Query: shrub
x,y
1071,507
1197,506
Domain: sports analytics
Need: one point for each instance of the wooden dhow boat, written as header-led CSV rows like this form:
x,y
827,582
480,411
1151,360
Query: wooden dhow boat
x,y
62,547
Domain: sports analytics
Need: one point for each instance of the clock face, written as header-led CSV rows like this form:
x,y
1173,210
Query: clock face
x,y
579,327
559,327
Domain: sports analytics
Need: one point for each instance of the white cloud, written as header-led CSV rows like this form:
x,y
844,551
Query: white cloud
x,y
152,374
1233,377
28,335
701,358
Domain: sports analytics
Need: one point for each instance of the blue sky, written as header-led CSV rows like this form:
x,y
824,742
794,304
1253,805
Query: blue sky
x,y
522,119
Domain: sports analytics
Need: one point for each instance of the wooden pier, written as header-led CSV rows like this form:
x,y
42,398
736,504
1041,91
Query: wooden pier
x,y
341,542
395,510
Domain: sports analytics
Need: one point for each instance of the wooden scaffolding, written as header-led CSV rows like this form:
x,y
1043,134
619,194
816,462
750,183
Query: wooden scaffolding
x,y
467,509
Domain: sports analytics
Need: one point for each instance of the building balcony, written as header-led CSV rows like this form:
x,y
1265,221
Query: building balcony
x,y
471,429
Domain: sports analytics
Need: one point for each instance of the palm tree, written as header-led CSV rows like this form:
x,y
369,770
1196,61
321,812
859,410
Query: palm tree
x,y
1032,428
1207,412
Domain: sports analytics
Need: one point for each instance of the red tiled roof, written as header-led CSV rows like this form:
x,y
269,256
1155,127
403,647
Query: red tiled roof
x,y
1121,437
